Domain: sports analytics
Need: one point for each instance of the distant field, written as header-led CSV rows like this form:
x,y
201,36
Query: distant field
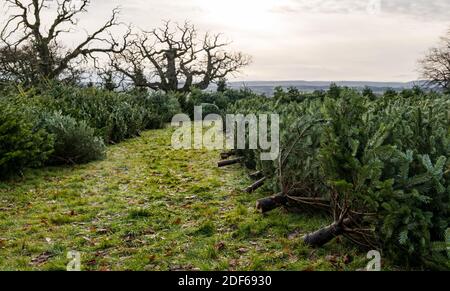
x,y
267,87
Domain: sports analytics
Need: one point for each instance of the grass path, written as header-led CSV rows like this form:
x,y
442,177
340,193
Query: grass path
x,y
149,207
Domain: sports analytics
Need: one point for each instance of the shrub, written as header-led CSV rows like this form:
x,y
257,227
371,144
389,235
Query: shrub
x,y
126,120
213,102
114,116
159,108
21,145
83,115
383,163
75,141
391,163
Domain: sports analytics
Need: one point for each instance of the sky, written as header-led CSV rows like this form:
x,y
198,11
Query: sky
x,y
361,40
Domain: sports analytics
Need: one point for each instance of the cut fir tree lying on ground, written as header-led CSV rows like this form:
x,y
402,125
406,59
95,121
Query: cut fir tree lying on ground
x,y
381,169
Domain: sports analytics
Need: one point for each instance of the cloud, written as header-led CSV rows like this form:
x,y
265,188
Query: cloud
x,y
301,39
327,6
423,9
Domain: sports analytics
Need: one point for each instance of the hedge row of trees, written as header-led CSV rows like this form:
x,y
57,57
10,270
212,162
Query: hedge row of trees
x,y
59,124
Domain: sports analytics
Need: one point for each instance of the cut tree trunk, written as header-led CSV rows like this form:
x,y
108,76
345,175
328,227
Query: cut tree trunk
x,y
226,155
270,203
229,162
325,235
258,184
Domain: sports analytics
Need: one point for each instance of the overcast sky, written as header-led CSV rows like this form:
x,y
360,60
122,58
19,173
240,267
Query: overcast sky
x,y
376,40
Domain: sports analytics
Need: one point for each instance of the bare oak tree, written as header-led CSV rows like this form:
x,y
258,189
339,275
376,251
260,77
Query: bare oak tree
x,y
174,58
30,42
435,66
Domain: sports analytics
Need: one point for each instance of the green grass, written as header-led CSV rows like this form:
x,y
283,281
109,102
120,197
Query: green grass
x,y
149,207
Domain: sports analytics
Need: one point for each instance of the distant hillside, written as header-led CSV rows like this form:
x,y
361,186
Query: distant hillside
x,y
267,87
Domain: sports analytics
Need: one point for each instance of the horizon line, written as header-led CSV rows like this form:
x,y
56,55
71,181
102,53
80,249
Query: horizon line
x,y
325,81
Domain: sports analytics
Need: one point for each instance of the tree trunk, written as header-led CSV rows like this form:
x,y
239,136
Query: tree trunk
x,y
228,162
258,184
325,235
226,155
270,203
171,71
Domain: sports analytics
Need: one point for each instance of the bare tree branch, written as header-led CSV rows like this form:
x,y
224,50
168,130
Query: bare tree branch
x,y
435,66
173,58
24,31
